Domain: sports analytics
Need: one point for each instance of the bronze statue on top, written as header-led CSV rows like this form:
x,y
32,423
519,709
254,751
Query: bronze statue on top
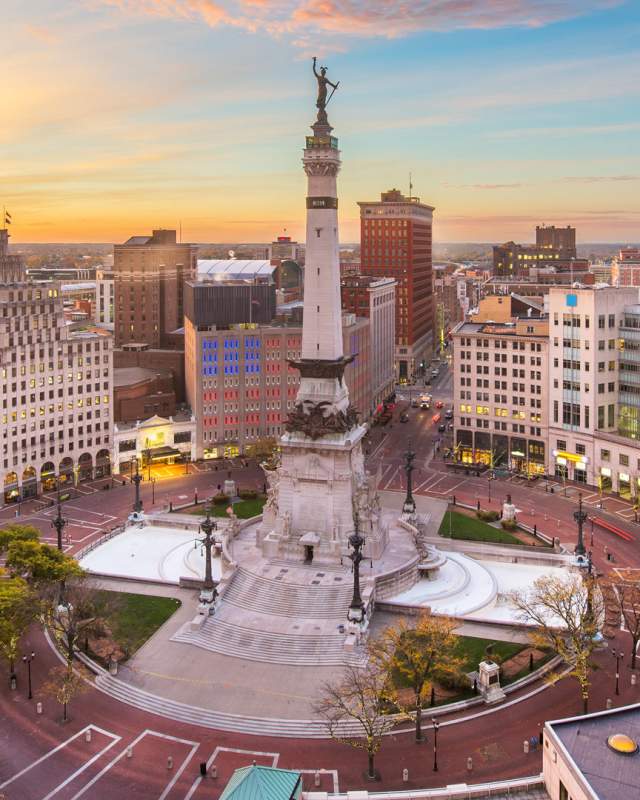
x,y
323,101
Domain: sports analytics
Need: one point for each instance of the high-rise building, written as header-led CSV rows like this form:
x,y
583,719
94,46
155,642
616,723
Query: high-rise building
x,y
395,242
149,275
625,269
11,266
375,298
56,394
563,240
555,248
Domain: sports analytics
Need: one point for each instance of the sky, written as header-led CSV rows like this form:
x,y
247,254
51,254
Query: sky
x,y
119,116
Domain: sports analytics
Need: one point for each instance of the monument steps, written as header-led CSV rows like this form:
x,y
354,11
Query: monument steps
x,y
267,596
207,718
253,644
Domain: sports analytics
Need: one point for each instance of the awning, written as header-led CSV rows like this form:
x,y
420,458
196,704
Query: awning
x,y
156,453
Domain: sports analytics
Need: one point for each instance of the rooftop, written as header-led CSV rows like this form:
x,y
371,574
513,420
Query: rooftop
x,y
126,376
262,783
610,775
232,268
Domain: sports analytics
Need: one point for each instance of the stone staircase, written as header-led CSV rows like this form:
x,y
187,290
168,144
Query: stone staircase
x,y
268,596
217,720
259,644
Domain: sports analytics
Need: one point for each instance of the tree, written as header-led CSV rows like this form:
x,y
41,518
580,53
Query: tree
x,y
64,684
80,613
18,609
626,596
40,563
363,697
417,654
17,533
567,612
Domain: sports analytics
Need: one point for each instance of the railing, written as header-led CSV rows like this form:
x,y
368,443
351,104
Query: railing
x,y
100,540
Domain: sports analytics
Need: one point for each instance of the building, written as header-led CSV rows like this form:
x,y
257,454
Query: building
x,y
140,393
554,248
156,440
103,313
500,388
285,274
11,266
585,345
263,783
625,269
593,756
149,274
449,295
241,386
231,301
395,242
283,249
375,298
56,389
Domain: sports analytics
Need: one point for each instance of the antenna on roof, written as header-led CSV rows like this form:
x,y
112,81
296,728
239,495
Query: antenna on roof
x,y
410,187
180,226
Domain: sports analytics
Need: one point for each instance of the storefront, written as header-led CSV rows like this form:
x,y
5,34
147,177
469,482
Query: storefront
x,y
624,485
570,466
604,480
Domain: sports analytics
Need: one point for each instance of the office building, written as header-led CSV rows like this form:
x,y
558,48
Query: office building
x,y
375,298
555,248
149,274
395,242
625,269
153,441
11,266
56,394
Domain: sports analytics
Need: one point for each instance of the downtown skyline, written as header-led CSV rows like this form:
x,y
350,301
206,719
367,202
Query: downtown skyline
x,y
122,116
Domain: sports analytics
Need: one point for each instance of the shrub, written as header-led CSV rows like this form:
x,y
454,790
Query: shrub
x,y
220,499
488,516
247,494
509,524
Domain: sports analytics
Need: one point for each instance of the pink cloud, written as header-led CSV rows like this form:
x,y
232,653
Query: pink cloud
x,y
365,18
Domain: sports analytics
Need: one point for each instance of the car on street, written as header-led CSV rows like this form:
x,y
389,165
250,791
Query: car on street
x,y
434,373
415,402
442,428
439,404
448,414
404,417
436,419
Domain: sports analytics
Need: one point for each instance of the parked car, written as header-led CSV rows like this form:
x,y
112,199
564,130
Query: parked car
x,y
448,414
442,428
439,404
434,373
404,417
436,419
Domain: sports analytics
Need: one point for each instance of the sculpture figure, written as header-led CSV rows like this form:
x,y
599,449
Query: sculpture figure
x,y
323,82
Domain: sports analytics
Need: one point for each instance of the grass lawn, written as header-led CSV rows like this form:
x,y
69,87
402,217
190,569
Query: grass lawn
x,y
472,651
474,530
244,509
138,616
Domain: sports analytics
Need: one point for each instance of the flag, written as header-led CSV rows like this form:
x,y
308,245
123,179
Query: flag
x,y
7,218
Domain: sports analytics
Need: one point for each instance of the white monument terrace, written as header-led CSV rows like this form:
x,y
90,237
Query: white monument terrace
x,y
284,582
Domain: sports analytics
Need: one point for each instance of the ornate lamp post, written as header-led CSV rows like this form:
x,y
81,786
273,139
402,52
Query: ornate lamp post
x,y
618,657
59,522
356,609
409,505
136,480
209,592
27,660
580,517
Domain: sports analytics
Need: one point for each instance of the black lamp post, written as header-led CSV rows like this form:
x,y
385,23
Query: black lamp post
x,y
409,505
153,491
580,517
136,480
618,657
27,660
208,527
356,609
59,522
436,725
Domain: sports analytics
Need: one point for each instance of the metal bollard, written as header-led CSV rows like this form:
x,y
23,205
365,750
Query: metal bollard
x,y
38,708
213,772
316,778
469,764
634,678
405,775
203,769
169,762
526,745
609,702
129,752
87,735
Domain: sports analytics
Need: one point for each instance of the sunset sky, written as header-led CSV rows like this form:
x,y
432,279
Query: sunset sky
x,y
117,116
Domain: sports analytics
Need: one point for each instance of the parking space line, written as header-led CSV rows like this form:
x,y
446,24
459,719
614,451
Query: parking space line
x,y
332,772
216,753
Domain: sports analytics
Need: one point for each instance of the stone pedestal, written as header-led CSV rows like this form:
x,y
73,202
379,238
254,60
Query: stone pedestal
x,y
489,682
230,488
508,510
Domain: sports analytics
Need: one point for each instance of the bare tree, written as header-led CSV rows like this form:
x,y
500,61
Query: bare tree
x,y
64,684
360,700
567,613
626,596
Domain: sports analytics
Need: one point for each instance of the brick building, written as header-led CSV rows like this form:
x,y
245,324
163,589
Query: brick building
x,y
149,274
140,393
554,248
395,242
625,269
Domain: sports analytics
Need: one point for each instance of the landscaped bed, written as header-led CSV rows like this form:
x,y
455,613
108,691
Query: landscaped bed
x,y
464,524
243,509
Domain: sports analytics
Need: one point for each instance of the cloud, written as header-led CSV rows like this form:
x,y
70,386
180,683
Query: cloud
x,y
42,34
600,179
561,132
364,18
484,185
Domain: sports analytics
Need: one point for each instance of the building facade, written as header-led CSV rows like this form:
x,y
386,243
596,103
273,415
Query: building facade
x,y
149,274
56,389
103,314
625,269
396,242
241,386
165,440
500,392
375,298
554,248
11,266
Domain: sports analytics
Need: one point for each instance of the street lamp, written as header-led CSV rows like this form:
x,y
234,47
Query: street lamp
x,y
436,725
209,591
137,478
580,517
356,609
27,660
618,657
409,505
59,522
153,491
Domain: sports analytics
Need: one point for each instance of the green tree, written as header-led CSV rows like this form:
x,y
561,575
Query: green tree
x,y
64,684
416,655
18,609
40,563
17,533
